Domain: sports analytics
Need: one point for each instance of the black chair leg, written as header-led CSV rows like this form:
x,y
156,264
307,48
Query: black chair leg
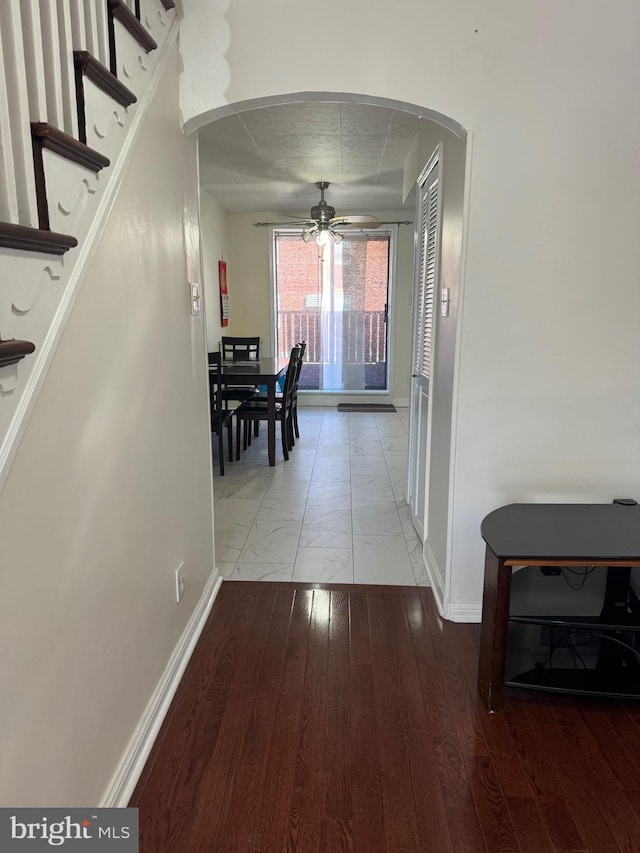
x,y
285,438
291,431
295,422
292,441
230,440
221,451
238,422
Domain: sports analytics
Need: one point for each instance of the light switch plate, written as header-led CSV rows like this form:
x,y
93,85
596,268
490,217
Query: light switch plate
x,y
444,302
194,289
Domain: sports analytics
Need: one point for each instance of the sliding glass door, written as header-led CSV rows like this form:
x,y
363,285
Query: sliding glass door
x,y
336,299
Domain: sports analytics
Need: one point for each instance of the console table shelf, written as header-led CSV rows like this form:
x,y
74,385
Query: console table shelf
x,y
625,622
580,681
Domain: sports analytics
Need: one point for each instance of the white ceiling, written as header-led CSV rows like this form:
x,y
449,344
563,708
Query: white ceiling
x,y
269,159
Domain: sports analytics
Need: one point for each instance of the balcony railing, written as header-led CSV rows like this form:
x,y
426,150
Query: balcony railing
x,y
341,337
355,337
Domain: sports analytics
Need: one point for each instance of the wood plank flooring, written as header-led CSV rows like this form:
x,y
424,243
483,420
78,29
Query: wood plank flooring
x,y
345,718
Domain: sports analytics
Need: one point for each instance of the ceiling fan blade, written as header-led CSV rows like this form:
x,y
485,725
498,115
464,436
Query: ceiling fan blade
x,y
356,217
366,221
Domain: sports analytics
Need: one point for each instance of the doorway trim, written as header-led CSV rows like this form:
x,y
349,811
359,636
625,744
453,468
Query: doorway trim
x,y
461,611
207,117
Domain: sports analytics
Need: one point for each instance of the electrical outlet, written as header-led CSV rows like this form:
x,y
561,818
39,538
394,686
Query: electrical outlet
x,y
179,582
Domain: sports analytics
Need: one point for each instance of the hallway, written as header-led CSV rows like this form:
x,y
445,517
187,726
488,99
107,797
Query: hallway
x,y
334,513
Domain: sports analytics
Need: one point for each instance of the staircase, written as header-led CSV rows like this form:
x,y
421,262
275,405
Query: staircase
x,y
77,77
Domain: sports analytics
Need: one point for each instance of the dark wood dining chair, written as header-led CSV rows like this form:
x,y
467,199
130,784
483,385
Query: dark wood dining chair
x,y
239,349
256,410
294,402
221,415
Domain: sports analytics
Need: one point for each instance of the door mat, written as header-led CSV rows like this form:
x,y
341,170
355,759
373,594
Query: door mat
x,y
366,407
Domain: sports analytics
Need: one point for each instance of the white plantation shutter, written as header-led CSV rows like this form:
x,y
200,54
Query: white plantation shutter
x,y
422,265
430,210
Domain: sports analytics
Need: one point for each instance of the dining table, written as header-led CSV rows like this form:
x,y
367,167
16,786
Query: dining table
x,y
262,371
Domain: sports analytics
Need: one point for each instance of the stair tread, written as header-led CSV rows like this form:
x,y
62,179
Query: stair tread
x,y
102,77
125,16
13,351
54,139
23,237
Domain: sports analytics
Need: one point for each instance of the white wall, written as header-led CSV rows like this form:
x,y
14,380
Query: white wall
x,y
249,295
110,491
213,222
547,402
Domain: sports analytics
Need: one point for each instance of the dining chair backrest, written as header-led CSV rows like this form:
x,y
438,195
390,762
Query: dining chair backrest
x,y
240,349
291,378
221,416
303,349
294,393
215,362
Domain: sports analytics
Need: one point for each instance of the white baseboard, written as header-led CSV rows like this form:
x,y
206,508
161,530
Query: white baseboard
x,y
136,754
465,611
401,403
435,580
458,611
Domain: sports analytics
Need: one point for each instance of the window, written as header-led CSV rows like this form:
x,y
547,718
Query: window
x,y
336,299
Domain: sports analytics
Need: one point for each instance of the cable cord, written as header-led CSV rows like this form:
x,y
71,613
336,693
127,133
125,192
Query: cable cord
x,y
583,574
626,646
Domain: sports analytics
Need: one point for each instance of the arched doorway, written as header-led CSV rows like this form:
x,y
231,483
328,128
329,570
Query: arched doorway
x,y
431,131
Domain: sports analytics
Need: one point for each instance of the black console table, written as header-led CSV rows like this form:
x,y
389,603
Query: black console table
x,y
549,535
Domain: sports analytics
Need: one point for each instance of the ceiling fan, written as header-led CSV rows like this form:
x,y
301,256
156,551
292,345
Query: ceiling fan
x,y
323,224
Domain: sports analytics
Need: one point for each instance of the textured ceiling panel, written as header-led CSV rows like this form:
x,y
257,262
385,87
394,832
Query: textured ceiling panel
x,y
270,158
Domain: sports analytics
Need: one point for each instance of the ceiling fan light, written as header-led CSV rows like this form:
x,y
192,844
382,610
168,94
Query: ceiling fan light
x,y
337,238
307,234
323,237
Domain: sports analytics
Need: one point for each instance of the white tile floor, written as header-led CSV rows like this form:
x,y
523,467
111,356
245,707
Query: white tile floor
x,y
334,513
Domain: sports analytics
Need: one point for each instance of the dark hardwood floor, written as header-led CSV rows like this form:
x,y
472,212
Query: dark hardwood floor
x,y
322,719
